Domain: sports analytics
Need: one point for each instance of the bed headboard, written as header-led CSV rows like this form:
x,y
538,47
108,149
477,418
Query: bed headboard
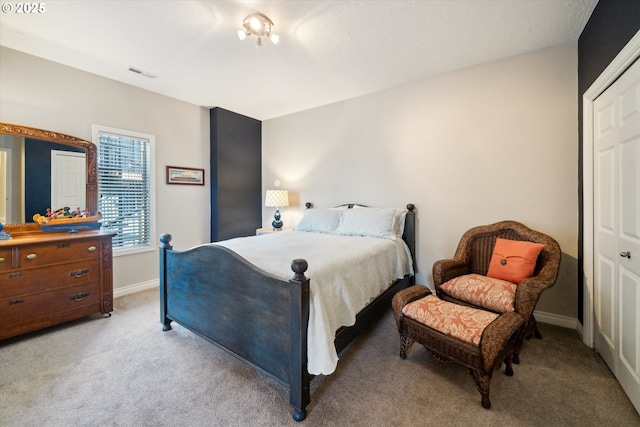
x,y
409,235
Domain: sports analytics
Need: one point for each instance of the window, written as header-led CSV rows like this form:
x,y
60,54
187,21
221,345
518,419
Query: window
x,y
126,187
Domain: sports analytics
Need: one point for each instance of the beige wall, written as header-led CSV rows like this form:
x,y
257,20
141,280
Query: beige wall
x,y
43,94
480,145
493,142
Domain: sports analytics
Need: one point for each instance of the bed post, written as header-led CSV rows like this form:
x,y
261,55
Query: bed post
x,y
165,239
409,236
299,377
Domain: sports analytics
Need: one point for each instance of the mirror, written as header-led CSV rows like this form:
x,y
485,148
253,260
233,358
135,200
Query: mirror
x,y
25,177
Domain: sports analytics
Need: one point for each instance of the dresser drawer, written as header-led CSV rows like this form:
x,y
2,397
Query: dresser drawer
x,y
5,259
14,310
21,282
54,252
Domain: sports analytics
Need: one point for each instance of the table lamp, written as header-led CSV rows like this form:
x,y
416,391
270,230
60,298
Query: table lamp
x,y
276,199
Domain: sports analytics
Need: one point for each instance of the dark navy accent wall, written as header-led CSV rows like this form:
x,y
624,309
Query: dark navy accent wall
x,y
236,175
612,24
37,178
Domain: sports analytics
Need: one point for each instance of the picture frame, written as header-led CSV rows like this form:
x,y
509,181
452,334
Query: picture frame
x,y
185,176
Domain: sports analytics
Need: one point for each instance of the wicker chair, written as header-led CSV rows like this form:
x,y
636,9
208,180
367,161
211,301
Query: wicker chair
x,y
473,256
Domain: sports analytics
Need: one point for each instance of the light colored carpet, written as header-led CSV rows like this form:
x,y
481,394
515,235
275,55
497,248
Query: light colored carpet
x,y
124,371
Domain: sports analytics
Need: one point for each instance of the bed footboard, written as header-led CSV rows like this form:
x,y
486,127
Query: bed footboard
x,y
258,318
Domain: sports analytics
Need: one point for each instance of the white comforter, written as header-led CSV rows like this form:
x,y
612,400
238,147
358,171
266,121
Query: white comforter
x,y
346,272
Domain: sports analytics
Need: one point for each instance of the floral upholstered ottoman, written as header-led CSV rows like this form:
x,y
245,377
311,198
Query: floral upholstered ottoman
x,y
478,339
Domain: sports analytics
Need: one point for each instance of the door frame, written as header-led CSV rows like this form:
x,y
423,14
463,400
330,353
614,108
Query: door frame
x,y
615,69
8,190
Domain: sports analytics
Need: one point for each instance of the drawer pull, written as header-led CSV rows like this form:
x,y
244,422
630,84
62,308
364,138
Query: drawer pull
x,y
91,248
2,259
32,256
14,275
78,273
80,296
16,301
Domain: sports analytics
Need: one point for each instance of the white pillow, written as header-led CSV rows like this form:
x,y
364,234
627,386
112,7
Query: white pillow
x,y
320,220
400,215
398,227
371,222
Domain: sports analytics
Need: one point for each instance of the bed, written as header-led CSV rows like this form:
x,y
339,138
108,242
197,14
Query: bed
x,y
237,294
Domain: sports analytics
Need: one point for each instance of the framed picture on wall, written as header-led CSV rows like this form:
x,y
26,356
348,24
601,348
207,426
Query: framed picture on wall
x,y
185,176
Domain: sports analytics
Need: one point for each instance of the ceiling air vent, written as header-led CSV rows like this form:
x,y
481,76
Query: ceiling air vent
x,y
144,73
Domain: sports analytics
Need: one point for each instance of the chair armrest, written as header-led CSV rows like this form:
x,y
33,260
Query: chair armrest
x,y
529,290
406,296
446,269
527,294
496,335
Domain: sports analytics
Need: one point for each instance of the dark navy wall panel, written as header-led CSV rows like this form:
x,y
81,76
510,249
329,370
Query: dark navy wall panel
x,y
236,175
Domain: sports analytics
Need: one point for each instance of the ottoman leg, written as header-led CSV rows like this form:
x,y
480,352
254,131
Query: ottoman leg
x,y
482,383
486,403
508,370
516,351
405,343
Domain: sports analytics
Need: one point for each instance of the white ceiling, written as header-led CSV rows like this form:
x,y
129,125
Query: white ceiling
x,y
328,50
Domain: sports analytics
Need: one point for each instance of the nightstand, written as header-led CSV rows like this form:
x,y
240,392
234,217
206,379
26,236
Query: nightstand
x,y
268,230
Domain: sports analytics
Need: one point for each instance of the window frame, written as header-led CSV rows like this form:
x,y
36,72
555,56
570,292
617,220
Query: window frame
x,y
97,130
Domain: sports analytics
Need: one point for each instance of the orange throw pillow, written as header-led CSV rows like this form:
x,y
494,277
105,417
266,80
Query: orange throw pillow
x,y
513,260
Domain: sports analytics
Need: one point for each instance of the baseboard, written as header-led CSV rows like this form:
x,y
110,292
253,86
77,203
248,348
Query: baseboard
x,y
541,316
555,319
580,330
138,287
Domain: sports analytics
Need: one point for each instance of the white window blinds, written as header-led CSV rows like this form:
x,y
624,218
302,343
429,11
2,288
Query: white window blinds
x,y
124,188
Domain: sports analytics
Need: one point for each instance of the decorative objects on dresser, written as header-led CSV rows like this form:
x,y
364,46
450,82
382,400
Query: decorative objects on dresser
x,y
65,219
500,267
477,339
46,279
3,234
276,199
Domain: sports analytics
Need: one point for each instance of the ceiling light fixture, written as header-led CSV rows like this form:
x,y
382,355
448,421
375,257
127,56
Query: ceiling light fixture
x,y
258,25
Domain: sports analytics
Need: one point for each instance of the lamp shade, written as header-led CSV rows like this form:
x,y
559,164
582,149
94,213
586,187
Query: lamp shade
x,y
276,198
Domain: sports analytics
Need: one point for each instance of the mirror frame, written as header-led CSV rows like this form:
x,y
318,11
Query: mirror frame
x,y
60,138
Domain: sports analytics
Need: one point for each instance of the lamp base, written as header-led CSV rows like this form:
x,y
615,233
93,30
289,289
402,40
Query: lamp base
x,y
277,224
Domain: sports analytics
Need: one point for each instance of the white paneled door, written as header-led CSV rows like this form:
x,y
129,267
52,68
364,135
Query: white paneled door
x,y
68,180
617,229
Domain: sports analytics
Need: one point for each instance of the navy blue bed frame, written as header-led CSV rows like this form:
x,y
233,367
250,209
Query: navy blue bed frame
x,y
218,295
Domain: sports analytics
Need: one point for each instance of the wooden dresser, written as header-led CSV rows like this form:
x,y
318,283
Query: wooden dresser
x,y
50,278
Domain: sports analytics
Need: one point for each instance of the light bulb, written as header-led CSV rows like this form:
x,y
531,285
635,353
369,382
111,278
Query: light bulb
x,y
256,25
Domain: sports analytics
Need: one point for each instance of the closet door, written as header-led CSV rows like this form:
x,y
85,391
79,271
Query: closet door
x,y
617,229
